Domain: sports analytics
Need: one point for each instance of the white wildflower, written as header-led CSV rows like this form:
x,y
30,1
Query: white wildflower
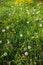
x,y
0,41
29,47
5,54
21,35
26,53
7,27
25,49
27,22
40,25
3,30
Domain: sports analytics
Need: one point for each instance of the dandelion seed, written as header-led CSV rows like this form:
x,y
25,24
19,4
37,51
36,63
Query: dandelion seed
x,y
29,47
25,49
7,27
5,54
40,25
3,30
0,41
21,35
27,22
26,53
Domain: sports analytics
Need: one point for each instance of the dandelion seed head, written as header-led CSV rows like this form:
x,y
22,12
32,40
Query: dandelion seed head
x,y
0,41
26,53
21,35
3,30
40,25
29,47
5,54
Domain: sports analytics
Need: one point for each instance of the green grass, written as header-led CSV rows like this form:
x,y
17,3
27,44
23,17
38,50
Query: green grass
x,y
21,33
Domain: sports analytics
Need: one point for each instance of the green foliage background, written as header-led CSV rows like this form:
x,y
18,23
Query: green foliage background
x,y
21,25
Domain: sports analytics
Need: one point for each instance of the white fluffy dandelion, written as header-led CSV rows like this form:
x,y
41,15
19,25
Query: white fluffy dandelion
x,y
29,47
3,30
40,25
21,35
0,41
26,53
5,54
27,22
7,27
25,48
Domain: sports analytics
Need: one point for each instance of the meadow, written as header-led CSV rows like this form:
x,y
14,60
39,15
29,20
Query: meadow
x,y
21,32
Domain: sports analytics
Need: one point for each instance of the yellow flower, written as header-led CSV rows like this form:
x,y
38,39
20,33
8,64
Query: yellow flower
x,y
21,1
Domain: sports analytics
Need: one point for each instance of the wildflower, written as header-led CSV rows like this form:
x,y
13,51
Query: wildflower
x,y
25,49
7,27
5,54
21,35
3,30
29,47
40,25
27,22
0,41
26,53
19,1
